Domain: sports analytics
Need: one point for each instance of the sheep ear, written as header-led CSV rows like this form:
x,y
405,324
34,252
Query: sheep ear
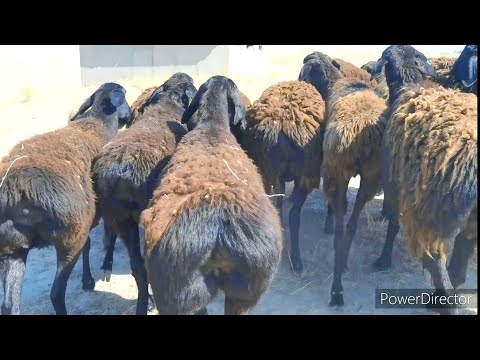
x,y
336,64
150,99
190,92
236,108
85,106
472,72
193,105
378,68
188,96
304,72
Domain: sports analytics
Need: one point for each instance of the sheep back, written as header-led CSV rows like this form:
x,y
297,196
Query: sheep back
x,y
354,129
292,113
141,100
443,66
432,143
133,160
219,176
349,70
53,182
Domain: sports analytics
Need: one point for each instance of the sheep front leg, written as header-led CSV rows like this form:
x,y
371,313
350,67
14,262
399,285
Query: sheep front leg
x,y
439,274
366,192
65,263
329,220
236,307
385,260
340,207
88,282
298,197
14,270
202,311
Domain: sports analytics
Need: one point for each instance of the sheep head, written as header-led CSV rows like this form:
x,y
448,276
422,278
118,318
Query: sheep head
x,y
321,71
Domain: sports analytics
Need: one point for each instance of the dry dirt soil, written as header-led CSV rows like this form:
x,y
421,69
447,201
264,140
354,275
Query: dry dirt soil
x,y
288,294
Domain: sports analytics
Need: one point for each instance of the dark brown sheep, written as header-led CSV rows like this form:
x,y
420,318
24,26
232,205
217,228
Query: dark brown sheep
x,y
349,70
430,149
194,119
47,197
351,147
284,138
126,172
210,225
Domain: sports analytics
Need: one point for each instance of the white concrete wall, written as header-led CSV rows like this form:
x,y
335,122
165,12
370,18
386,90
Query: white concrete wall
x,y
102,63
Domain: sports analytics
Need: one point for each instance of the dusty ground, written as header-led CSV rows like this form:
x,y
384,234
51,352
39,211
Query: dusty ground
x,y
288,294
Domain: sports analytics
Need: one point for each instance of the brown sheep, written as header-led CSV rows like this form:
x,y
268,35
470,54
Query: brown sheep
x,y
349,70
431,167
245,99
47,197
126,172
210,225
138,105
284,138
443,66
351,147
379,77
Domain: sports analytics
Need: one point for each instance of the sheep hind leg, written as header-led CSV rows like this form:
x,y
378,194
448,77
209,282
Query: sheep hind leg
x,y
109,240
298,197
279,199
13,271
340,207
65,264
439,274
137,265
88,282
365,193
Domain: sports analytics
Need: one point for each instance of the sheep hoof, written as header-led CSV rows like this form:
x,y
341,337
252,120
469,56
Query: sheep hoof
x,y
336,299
202,311
381,264
107,274
439,309
455,279
328,229
297,266
379,217
88,284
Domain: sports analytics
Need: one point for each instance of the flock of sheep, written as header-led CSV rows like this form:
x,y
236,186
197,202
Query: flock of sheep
x,y
204,172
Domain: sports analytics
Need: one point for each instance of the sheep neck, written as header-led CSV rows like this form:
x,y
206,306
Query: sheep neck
x,y
399,79
331,81
213,112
